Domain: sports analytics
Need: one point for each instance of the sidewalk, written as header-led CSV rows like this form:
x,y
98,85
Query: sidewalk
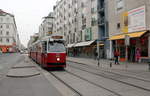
x,y
104,63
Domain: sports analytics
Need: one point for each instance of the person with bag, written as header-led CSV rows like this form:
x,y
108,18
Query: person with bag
x,y
117,54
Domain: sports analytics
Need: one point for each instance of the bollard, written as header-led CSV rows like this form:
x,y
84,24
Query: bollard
x,y
110,64
98,63
149,65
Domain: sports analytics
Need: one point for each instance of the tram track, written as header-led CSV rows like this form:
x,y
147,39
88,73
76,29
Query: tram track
x,y
115,93
74,90
111,72
111,78
79,93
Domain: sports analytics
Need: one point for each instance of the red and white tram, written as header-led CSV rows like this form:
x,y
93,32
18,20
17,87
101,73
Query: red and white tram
x,y
49,52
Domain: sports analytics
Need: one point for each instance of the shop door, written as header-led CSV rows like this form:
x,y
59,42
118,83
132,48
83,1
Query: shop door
x,y
131,54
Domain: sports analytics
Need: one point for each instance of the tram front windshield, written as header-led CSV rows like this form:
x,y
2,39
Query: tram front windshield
x,y
56,47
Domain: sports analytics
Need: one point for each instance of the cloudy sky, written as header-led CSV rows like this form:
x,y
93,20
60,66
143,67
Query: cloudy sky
x,y
28,15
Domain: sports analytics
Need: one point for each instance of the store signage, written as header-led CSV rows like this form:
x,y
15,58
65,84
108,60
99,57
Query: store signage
x,y
136,19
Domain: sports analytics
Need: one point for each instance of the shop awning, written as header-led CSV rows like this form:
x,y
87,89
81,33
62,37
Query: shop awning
x,y
84,43
136,34
117,37
70,45
131,35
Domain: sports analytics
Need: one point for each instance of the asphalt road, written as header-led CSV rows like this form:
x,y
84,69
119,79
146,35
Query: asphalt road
x,y
8,60
30,86
86,80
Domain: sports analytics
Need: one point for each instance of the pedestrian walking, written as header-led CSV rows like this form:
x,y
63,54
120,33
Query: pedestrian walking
x,y
137,55
116,54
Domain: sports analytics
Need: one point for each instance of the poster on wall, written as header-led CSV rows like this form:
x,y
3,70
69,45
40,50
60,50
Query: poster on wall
x,y
136,19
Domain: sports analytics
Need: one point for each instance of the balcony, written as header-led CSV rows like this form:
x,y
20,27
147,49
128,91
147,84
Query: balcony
x,y
101,21
101,7
101,10
83,21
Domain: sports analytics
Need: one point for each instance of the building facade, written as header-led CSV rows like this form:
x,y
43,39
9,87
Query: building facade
x,y
82,24
129,26
9,38
46,27
33,39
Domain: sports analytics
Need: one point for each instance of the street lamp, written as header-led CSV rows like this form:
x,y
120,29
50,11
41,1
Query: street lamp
x,y
98,48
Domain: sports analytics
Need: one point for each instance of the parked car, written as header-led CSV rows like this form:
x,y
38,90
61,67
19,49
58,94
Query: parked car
x,y
21,52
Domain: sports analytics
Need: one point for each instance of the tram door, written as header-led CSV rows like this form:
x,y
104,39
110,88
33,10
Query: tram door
x,y
44,52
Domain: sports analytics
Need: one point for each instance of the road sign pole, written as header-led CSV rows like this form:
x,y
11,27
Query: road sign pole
x,y
98,55
127,43
126,56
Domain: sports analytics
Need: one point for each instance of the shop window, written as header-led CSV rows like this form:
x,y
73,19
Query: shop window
x,y
122,52
133,42
120,42
144,47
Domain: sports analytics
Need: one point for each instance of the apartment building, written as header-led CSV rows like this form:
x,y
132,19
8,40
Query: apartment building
x,y
79,22
33,39
129,26
9,39
46,27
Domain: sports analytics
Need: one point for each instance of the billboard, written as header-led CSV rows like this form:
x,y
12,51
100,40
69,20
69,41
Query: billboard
x,y
136,19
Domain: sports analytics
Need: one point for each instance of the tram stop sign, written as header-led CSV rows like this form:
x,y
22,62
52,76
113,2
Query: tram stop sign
x,y
127,40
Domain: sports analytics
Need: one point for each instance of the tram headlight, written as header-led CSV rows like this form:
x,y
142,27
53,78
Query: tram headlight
x,y
58,59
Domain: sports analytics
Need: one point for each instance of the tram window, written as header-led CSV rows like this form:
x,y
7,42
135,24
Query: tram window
x,y
44,47
51,43
56,47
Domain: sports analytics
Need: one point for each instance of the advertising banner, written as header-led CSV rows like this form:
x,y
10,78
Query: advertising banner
x,y
125,22
136,19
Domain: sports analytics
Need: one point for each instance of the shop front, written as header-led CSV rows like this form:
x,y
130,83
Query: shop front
x,y
136,51
70,49
5,48
83,49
